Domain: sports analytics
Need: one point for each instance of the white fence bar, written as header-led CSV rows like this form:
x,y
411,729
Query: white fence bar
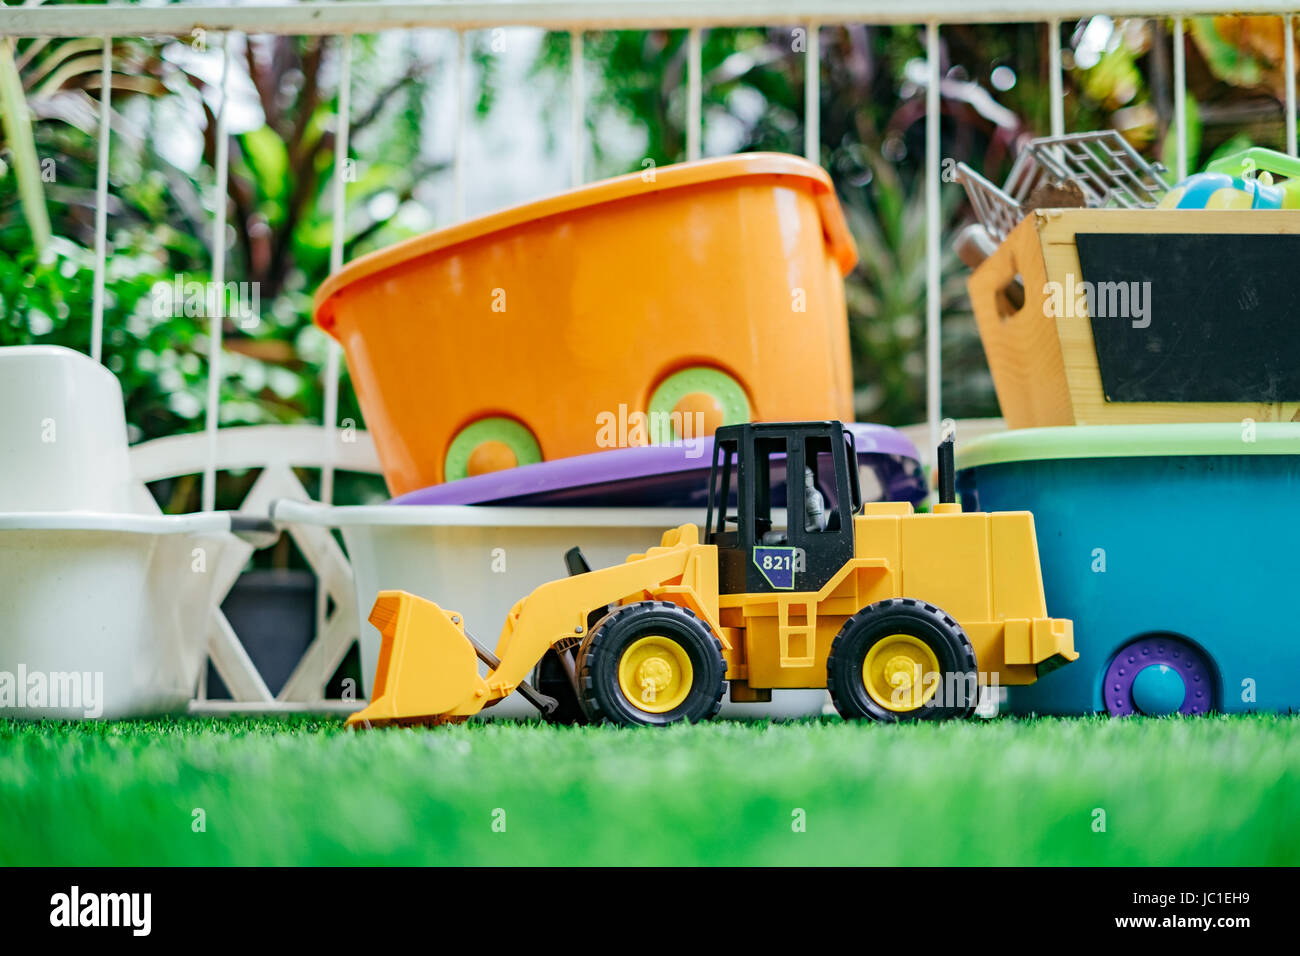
x,y
1055,82
577,111
933,378
458,161
101,201
1180,100
343,127
217,300
1288,34
342,135
812,96
694,93
326,18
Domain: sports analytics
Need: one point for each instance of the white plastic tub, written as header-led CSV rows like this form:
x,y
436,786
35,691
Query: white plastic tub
x,y
108,613
480,560
104,609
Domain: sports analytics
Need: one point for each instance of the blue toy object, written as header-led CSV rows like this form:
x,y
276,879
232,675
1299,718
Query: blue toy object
x,y
1241,181
1221,191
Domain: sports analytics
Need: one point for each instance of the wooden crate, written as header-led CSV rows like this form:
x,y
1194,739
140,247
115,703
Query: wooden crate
x,y
1045,366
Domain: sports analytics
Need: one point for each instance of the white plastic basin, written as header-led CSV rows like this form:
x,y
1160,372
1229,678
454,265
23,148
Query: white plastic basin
x,y
104,611
108,612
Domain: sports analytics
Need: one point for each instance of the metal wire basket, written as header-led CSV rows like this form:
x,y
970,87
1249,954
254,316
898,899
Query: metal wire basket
x,y
996,210
1107,170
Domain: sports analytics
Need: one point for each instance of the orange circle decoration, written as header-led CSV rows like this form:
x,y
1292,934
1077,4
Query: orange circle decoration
x,y
704,405
491,455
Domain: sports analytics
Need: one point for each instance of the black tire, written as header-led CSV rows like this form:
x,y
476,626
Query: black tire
x,y
550,677
599,658
953,698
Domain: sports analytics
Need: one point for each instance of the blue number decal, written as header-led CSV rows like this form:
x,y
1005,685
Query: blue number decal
x,y
777,565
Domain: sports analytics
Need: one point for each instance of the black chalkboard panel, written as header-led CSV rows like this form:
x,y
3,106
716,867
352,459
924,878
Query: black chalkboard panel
x,y
1192,318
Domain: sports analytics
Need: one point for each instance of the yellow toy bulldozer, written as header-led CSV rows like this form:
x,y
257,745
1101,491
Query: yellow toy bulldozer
x,y
795,584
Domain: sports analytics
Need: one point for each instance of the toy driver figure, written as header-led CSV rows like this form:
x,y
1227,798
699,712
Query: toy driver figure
x,y
814,511
814,503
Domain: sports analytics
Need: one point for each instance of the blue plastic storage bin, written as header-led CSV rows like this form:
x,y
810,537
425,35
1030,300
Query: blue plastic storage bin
x,y
1174,548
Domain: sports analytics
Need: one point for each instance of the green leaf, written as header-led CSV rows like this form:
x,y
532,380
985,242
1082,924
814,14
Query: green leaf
x,y
18,131
1191,140
268,162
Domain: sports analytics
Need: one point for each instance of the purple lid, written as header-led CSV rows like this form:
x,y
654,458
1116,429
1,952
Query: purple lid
x,y
669,476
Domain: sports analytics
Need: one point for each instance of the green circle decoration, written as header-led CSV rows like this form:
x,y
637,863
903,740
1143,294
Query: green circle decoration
x,y
724,388
509,432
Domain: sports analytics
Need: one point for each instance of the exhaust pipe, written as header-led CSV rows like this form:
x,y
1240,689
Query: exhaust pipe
x,y
947,473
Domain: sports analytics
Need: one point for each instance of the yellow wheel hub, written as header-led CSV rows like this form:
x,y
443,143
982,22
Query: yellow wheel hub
x,y
901,673
655,674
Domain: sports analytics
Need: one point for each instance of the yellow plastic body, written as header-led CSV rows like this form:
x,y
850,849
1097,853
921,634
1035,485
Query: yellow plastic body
x,y
980,568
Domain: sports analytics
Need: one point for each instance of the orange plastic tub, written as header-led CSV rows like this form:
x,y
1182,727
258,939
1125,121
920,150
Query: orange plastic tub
x,y
650,307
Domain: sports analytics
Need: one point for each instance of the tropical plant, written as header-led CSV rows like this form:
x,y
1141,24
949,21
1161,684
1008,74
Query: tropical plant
x,y
160,215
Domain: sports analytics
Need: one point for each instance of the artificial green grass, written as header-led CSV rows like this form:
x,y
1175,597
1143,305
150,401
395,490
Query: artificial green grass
x,y
1218,790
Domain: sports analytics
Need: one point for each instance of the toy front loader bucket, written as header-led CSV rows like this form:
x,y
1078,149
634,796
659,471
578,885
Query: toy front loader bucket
x,y
427,666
